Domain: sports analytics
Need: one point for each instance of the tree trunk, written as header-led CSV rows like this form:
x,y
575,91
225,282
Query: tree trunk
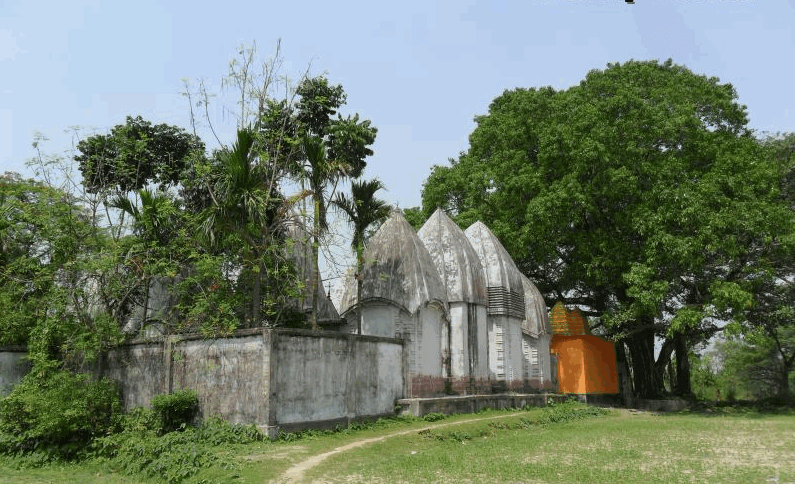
x,y
256,297
359,279
641,350
315,268
663,360
683,387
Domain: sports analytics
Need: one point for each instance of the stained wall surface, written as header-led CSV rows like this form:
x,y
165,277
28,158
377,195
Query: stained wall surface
x,y
328,377
276,379
13,366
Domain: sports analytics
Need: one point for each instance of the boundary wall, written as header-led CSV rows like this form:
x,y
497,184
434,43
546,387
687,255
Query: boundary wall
x,y
278,379
14,365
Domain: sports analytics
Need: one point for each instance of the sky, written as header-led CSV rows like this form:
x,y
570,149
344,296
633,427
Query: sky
x,y
419,70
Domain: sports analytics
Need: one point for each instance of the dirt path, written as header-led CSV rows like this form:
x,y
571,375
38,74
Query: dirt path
x,y
296,472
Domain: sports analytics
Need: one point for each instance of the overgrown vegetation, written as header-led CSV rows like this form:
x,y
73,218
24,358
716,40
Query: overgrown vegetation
x,y
176,410
55,415
141,448
741,368
64,417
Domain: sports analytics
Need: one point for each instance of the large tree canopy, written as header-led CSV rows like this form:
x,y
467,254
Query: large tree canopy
x,y
639,195
135,154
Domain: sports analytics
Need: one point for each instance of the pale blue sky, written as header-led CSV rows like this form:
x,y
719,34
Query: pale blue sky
x,y
419,70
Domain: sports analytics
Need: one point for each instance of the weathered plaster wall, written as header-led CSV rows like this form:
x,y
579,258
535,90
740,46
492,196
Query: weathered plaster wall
x,y
231,375
276,379
378,319
329,377
459,337
13,366
142,370
506,362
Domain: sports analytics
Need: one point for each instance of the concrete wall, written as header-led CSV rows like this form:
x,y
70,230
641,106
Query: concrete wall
x,y
13,366
140,368
276,379
231,375
331,378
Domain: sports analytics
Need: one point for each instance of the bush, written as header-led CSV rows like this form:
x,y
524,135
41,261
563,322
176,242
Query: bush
x,y
56,413
569,412
434,416
174,456
176,410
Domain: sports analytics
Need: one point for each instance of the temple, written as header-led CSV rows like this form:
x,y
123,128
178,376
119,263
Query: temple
x,y
474,324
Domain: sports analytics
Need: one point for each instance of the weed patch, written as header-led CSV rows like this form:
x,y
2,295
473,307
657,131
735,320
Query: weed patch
x,y
174,456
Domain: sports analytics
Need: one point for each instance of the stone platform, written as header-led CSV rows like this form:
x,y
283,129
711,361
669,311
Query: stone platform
x,y
420,407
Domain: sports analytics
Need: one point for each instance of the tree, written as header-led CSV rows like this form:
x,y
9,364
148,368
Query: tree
x,y
297,135
331,150
363,209
245,209
639,195
415,217
52,269
151,248
134,155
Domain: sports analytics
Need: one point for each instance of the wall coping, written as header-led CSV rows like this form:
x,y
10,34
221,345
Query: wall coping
x,y
243,333
13,349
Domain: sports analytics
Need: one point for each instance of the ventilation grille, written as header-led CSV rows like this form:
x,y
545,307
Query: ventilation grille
x,y
505,302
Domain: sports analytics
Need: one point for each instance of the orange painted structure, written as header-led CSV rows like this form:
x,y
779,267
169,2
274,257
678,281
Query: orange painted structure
x,y
586,363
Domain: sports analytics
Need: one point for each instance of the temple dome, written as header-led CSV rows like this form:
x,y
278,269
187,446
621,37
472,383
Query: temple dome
x,y
536,318
503,279
397,268
455,259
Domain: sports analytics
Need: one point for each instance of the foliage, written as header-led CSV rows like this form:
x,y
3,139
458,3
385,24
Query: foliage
x,y
434,416
330,150
61,286
639,195
415,217
754,367
568,412
174,456
55,414
247,216
134,155
176,410
362,209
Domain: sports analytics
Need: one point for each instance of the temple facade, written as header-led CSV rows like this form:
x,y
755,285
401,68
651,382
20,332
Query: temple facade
x,y
474,324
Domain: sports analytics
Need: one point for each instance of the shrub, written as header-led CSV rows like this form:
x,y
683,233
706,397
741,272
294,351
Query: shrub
x,y
569,412
56,413
434,416
174,456
176,410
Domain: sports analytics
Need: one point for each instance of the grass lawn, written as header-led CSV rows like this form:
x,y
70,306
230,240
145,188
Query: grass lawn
x,y
622,446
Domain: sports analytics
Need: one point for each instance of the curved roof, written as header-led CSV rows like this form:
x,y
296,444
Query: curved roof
x,y
397,268
454,257
500,269
536,318
503,279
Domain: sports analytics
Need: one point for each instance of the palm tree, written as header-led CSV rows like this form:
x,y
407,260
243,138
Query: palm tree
x,y
243,204
154,223
320,172
362,209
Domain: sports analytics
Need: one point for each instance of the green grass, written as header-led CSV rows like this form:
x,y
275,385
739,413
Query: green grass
x,y
729,445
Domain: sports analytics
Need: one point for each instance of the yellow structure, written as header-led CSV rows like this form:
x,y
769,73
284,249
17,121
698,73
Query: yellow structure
x,y
586,363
